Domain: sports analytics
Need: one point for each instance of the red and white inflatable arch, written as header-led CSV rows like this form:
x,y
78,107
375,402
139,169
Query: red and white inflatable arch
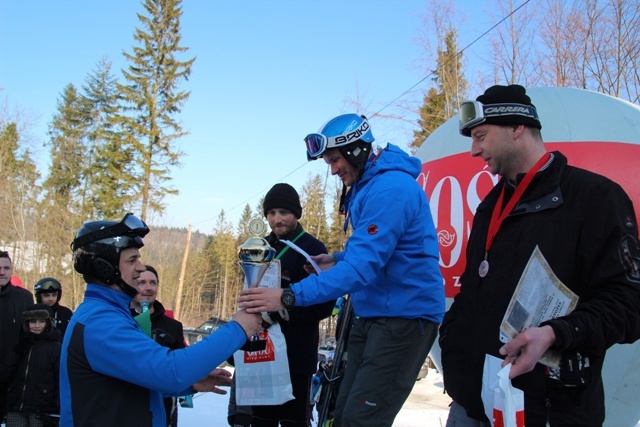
x,y
596,132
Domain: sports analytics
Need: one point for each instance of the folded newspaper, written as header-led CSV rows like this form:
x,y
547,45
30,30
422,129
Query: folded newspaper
x,y
539,296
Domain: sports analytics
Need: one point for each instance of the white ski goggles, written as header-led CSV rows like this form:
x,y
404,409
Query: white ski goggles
x,y
316,145
473,113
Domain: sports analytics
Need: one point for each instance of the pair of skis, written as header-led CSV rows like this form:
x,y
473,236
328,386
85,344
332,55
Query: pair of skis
x,y
330,372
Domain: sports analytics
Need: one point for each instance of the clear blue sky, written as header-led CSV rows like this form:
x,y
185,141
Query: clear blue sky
x,y
267,73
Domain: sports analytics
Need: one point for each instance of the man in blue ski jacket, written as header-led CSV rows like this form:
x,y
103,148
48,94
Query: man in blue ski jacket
x,y
389,267
111,372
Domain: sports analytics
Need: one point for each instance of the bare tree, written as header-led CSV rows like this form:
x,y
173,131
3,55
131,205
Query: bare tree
x,y
513,42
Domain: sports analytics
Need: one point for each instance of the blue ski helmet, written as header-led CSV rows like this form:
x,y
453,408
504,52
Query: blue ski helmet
x,y
350,133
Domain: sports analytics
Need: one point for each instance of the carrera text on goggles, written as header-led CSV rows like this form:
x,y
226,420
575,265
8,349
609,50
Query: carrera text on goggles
x,y
473,113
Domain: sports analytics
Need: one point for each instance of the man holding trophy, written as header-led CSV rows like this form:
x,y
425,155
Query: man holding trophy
x,y
389,267
299,325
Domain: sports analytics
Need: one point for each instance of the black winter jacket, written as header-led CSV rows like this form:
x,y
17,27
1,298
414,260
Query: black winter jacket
x,y
166,331
586,229
301,330
61,317
13,302
34,387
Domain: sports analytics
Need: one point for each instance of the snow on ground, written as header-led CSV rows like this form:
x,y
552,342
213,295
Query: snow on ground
x,y
426,406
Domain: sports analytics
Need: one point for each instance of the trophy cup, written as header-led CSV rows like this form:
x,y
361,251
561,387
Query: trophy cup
x,y
254,256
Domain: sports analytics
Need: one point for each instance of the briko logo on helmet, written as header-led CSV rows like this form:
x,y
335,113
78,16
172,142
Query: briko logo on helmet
x,y
352,136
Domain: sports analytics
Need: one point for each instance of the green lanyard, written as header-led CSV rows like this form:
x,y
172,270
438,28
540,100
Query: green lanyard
x,y
286,248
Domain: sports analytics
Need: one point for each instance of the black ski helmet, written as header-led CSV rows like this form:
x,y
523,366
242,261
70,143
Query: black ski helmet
x,y
47,284
97,246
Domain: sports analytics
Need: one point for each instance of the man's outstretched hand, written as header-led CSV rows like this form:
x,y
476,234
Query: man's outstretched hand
x,y
217,377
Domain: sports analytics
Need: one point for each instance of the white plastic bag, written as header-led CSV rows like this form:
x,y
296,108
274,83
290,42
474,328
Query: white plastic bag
x,y
262,377
503,403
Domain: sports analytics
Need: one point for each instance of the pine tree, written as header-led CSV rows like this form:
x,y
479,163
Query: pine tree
x,y
243,225
153,98
337,237
19,191
314,214
225,271
64,185
8,147
111,174
442,102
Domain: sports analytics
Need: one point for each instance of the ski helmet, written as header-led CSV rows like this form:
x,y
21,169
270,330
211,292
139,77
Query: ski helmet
x,y
45,285
349,133
98,244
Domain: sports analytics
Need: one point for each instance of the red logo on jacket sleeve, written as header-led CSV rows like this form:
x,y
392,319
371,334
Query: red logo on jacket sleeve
x,y
373,229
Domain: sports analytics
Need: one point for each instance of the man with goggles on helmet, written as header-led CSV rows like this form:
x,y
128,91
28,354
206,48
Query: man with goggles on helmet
x,y
49,291
111,372
389,267
585,227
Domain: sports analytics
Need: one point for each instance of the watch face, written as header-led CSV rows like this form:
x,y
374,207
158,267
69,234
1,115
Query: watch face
x,y
288,298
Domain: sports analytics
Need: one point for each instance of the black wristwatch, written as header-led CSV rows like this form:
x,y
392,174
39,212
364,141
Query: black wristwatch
x,y
288,298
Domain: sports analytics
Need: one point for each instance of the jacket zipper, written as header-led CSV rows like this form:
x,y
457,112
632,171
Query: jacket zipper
x,y
548,404
26,374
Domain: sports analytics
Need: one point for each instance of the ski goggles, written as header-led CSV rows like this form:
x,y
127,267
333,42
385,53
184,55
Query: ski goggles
x,y
474,113
129,226
48,286
316,145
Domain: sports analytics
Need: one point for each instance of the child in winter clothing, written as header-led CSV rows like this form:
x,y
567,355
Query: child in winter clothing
x,y
33,398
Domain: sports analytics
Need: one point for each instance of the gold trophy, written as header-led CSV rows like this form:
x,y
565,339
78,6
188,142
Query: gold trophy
x,y
254,256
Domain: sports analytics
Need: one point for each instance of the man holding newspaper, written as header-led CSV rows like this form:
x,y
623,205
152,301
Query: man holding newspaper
x,y
545,219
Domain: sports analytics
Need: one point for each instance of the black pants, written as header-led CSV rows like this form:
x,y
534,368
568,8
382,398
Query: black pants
x,y
383,360
294,413
3,400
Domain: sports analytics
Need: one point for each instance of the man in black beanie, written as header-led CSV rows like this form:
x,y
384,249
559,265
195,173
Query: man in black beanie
x,y
584,225
282,196
282,209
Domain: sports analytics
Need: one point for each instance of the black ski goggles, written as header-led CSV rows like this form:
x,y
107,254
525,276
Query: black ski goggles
x,y
48,286
129,226
474,113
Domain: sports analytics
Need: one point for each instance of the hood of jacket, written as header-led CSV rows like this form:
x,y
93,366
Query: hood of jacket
x,y
390,158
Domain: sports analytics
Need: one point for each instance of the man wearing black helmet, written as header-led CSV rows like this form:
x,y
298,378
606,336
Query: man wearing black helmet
x,y
111,372
389,267
49,291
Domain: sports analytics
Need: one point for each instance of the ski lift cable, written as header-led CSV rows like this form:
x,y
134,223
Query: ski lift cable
x,y
451,59
390,102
